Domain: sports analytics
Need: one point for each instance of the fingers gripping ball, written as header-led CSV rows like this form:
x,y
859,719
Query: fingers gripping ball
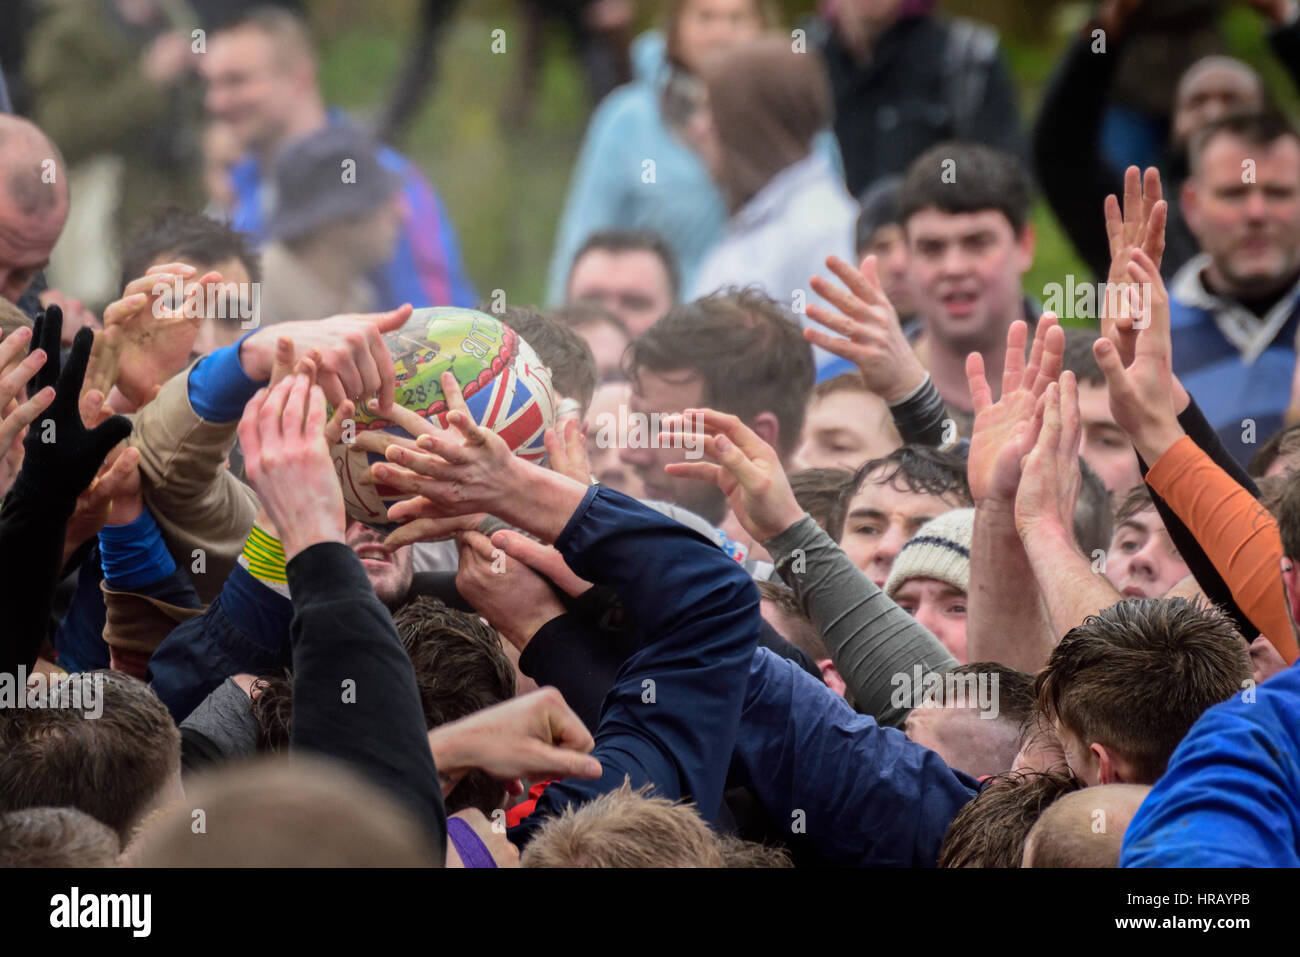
x,y
506,388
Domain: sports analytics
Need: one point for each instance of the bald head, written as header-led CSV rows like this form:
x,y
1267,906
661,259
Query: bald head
x,y
33,203
1212,87
1084,828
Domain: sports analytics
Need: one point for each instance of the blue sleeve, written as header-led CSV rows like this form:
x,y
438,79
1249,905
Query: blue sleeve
x,y
218,387
79,640
593,201
670,720
863,795
134,554
828,146
244,630
1228,798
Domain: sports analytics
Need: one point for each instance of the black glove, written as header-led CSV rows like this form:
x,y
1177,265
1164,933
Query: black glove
x,y
60,455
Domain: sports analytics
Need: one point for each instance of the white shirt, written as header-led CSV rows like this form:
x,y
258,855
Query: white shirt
x,y
782,236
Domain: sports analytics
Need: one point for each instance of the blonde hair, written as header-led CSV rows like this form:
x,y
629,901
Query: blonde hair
x,y
275,812
626,828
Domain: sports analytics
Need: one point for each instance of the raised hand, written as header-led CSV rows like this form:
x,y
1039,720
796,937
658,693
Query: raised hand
x,y
60,454
1050,476
1140,225
113,498
16,416
1142,391
546,560
873,337
748,472
464,472
566,450
288,464
514,599
1000,437
354,361
148,334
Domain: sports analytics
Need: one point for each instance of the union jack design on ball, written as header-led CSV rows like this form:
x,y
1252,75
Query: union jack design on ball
x,y
506,388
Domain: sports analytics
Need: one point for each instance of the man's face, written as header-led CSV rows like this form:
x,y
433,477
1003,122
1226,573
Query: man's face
x,y
1142,561
845,429
249,88
607,343
633,285
389,571
707,26
606,461
889,246
1250,229
1211,93
26,241
371,238
1104,445
666,393
939,606
880,520
966,271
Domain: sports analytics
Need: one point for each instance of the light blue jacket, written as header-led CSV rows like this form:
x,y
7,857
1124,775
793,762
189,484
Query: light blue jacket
x,y
633,173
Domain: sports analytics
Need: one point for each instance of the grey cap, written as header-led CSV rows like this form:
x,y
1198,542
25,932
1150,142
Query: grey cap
x,y
332,174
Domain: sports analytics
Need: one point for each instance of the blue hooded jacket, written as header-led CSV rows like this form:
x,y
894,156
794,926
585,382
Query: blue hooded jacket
x,y
1231,795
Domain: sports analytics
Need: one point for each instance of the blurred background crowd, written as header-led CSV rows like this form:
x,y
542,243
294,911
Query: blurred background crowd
x,y
520,114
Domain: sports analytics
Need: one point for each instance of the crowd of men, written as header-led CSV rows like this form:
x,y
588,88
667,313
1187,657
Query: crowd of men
x,y
903,571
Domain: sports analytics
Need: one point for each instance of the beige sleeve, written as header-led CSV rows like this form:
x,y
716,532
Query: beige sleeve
x,y
204,511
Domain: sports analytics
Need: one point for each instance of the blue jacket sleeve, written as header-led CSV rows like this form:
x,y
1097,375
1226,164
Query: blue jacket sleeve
x,y
244,630
864,796
671,718
218,387
1231,794
79,639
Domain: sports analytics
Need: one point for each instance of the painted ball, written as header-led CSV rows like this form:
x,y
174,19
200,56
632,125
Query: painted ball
x,y
506,388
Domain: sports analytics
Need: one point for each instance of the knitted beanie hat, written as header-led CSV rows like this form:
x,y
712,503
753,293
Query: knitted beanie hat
x,y
940,550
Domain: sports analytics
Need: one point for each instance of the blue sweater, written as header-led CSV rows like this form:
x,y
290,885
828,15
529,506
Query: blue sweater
x,y
671,718
1230,387
863,795
1231,795
859,794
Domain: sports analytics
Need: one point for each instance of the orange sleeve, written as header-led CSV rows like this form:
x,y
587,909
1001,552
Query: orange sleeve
x,y
1238,535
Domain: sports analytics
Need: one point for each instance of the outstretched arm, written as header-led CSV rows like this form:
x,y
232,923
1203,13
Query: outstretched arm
x,y
1245,552
1049,488
355,696
698,614
869,637
1008,621
60,459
